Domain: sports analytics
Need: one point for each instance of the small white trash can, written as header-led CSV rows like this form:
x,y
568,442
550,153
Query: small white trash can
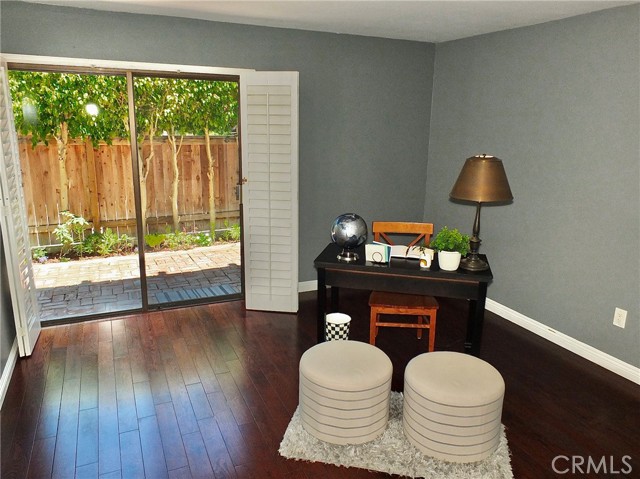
x,y
337,326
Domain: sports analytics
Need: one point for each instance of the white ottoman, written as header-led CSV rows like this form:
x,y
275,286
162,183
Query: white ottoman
x,y
452,406
344,391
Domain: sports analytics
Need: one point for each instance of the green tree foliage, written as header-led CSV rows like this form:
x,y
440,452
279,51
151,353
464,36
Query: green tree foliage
x,y
54,106
44,104
176,123
43,101
150,100
217,104
178,107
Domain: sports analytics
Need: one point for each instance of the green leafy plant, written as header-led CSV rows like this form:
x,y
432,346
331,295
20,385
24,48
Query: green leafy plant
x,y
230,233
177,240
125,243
70,231
154,240
202,239
88,246
104,244
39,254
108,243
450,240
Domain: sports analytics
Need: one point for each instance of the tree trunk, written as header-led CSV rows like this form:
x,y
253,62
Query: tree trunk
x,y
92,185
143,197
212,185
144,165
62,141
175,182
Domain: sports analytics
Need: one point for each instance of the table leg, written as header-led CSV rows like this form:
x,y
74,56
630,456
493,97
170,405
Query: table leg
x,y
322,304
335,298
475,322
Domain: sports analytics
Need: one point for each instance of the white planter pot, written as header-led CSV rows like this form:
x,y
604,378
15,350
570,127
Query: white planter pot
x,y
449,260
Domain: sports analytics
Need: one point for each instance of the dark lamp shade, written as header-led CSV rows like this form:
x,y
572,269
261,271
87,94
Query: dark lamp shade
x,y
482,180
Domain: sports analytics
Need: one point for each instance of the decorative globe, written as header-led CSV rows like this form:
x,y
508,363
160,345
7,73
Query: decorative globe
x,y
348,231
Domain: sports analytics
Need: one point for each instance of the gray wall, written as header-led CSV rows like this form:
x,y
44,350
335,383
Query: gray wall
x,y
559,103
364,102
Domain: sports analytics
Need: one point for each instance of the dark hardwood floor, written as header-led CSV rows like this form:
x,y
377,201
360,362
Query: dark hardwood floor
x,y
208,391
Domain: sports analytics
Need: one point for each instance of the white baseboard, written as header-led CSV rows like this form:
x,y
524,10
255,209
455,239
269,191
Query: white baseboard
x,y
590,353
306,286
7,372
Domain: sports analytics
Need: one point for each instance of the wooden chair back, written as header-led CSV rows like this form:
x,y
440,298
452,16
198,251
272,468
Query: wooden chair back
x,y
420,231
384,303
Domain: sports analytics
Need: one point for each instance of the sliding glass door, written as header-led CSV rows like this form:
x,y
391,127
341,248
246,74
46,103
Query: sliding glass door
x,y
188,168
96,148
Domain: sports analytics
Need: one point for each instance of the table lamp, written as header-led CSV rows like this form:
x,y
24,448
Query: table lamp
x,y
482,180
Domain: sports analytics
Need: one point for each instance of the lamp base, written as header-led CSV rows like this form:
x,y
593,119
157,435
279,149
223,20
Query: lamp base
x,y
347,256
473,263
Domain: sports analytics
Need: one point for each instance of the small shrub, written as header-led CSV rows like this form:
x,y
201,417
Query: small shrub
x,y
107,243
125,243
39,254
177,240
104,244
153,240
70,231
230,233
202,239
89,246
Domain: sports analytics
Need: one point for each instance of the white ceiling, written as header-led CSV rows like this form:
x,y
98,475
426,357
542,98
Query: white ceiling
x,y
426,20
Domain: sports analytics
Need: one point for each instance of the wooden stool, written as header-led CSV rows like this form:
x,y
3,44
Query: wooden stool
x,y
345,388
452,406
403,304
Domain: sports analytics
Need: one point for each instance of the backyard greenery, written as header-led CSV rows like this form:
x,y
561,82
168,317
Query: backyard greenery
x,y
70,232
63,106
182,239
76,243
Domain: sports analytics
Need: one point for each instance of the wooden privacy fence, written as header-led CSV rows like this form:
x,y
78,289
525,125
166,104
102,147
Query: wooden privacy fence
x,y
100,185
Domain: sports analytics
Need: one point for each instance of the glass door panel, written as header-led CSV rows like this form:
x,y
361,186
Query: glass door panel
x,y
188,163
76,166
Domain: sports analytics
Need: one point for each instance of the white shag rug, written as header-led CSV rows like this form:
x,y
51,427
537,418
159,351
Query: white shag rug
x,y
391,453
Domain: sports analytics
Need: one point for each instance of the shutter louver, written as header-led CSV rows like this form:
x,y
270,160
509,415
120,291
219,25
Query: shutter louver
x,y
15,234
269,103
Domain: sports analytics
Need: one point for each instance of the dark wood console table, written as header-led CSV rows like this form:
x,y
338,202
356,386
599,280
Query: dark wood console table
x,y
402,276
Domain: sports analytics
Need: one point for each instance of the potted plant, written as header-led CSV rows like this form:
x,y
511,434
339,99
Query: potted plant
x,y
451,246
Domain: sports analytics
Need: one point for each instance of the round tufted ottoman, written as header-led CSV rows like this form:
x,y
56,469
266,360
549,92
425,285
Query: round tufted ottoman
x,y
452,406
344,391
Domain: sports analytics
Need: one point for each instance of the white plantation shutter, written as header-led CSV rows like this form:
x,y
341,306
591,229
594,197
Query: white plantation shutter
x,y
15,235
269,130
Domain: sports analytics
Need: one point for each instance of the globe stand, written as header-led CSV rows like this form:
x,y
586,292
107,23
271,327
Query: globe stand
x,y
347,256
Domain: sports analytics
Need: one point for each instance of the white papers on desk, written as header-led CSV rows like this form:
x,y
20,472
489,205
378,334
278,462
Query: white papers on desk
x,y
381,252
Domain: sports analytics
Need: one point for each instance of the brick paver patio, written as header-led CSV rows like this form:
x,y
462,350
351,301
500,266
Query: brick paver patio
x,y
102,285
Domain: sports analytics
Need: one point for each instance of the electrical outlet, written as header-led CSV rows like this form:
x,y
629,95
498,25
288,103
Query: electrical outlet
x,y
620,317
